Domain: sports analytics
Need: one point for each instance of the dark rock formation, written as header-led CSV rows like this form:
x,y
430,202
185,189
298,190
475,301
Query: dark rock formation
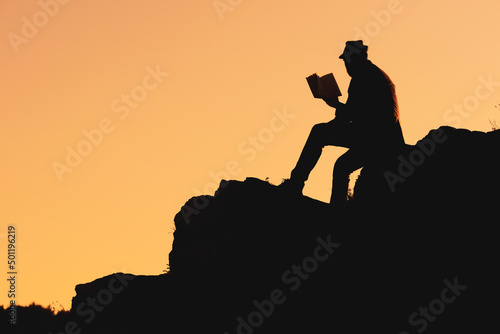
x,y
414,251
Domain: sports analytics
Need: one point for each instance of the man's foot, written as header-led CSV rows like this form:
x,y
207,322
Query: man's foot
x,y
292,187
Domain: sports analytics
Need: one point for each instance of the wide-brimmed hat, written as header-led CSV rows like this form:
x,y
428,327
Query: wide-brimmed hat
x,y
354,48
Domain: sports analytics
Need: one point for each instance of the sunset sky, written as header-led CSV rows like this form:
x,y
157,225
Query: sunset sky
x,y
115,113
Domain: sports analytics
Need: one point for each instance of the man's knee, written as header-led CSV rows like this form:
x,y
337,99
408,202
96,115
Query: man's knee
x,y
345,165
319,128
318,131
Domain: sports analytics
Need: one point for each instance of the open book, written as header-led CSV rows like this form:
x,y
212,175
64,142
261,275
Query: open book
x,y
323,87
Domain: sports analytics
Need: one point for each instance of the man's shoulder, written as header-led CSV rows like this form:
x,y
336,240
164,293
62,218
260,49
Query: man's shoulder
x,y
377,73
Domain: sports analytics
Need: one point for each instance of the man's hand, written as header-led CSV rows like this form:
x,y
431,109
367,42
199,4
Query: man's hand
x,y
332,101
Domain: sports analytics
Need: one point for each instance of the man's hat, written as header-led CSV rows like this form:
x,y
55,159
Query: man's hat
x,y
354,48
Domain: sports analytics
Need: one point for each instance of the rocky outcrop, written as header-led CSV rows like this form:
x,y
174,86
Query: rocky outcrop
x,y
414,251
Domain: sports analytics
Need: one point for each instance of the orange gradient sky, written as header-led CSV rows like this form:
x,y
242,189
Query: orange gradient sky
x,y
210,108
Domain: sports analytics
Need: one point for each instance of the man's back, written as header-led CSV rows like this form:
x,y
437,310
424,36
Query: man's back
x,y
373,107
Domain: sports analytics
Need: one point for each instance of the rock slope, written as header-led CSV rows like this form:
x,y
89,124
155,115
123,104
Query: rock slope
x,y
415,251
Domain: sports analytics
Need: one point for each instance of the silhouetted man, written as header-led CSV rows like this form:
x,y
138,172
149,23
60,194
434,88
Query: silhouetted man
x,y
367,124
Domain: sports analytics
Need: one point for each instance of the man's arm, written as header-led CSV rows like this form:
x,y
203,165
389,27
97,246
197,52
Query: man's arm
x,y
341,108
332,101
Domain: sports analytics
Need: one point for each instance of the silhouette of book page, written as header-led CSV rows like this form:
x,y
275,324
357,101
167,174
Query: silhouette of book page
x,y
323,87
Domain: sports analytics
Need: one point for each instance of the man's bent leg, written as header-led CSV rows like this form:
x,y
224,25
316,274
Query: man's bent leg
x,y
344,166
310,153
331,133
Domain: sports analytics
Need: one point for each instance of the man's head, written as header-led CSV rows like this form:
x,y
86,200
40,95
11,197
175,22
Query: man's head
x,y
355,54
